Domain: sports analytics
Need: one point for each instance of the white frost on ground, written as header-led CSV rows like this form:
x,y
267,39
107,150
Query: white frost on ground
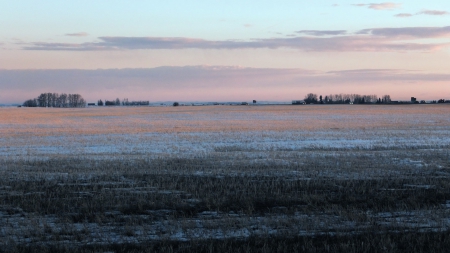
x,y
148,132
189,144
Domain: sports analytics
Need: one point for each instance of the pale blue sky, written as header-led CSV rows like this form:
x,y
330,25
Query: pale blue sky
x,y
50,20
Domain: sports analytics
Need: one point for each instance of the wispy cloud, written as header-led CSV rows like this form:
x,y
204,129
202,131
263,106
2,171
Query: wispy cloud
x,y
374,39
378,74
80,34
409,32
322,32
404,15
433,12
424,12
380,6
388,75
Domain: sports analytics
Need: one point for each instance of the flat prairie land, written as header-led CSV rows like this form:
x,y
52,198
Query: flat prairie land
x,y
337,178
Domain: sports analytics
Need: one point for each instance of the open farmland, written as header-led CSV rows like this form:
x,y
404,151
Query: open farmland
x,y
348,178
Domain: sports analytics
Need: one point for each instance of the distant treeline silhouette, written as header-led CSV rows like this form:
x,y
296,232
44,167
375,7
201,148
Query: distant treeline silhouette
x,y
124,102
312,98
62,100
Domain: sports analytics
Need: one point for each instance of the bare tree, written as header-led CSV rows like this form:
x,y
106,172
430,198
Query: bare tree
x,y
81,101
63,100
42,100
31,103
311,98
55,97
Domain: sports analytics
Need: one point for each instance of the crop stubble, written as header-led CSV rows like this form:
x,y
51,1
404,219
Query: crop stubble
x,y
146,176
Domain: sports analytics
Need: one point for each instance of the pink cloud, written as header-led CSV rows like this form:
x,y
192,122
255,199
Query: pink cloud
x,y
380,6
80,34
404,15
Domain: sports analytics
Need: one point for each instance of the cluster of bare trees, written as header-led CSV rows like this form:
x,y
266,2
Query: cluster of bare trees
x,y
124,102
109,103
56,100
386,99
312,98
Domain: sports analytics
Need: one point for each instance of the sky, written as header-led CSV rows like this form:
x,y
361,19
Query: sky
x,y
179,50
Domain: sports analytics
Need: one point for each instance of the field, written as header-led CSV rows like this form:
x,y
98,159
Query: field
x,y
312,178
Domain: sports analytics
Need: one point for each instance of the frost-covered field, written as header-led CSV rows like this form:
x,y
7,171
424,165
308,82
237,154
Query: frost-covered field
x,y
96,177
153,132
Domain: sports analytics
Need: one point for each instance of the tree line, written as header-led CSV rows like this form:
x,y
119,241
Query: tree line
x,y
312,98
124,102
62,100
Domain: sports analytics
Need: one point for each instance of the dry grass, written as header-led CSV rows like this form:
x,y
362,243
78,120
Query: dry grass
x,y
368,177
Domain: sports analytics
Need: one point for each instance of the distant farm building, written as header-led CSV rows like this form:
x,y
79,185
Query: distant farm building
x,y
298,102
